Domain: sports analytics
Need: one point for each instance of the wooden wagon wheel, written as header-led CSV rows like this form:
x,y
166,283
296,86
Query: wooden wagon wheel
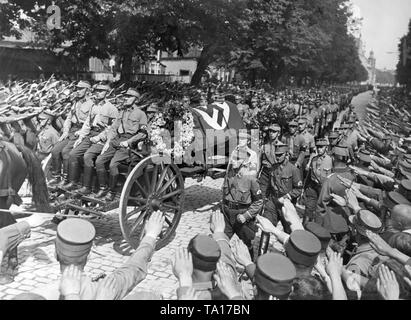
x,y
152,185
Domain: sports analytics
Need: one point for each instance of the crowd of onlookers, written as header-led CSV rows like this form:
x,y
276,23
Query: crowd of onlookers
x,y
354,243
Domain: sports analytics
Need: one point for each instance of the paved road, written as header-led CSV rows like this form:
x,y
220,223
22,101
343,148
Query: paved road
x,y
360,103
38,265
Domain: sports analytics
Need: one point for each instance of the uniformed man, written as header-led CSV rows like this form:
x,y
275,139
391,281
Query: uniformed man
x,y
47,138
128,128
333,185
321,166
268,159
241,105
73,123
250,117
290,140
305,144
91,138
285,182
74,240
242,200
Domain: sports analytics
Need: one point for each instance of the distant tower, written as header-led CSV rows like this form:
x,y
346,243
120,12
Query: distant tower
x,y
371,68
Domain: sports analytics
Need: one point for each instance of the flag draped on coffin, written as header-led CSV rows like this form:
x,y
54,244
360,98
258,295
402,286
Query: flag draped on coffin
x,y
217,130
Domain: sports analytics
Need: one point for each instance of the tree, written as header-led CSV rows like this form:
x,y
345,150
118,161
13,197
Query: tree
x,y
404,63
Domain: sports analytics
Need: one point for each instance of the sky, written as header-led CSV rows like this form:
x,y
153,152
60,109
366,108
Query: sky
x,y
384,23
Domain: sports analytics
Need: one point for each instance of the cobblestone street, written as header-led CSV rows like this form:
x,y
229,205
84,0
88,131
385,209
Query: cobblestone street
x,y
38,266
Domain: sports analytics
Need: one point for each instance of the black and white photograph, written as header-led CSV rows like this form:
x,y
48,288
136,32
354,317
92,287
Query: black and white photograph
x,y
215,150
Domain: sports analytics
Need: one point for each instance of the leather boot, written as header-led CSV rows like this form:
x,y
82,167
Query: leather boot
x,y
87,177
112,185
55,180
102,183
74,175
64,181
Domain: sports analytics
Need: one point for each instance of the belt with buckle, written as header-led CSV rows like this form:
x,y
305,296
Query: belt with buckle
x,y
235,205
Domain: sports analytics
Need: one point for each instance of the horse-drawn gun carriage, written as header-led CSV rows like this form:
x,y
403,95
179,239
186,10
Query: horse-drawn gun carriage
x,y
153,179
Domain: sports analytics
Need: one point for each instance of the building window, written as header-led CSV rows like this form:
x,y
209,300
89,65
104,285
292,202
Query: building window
x,y
184,72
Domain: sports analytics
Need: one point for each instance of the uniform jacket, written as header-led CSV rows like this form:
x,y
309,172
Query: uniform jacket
x,y
243,190
47,139
129,121
286,180
78,114
332,185
101,117
321,168
12,235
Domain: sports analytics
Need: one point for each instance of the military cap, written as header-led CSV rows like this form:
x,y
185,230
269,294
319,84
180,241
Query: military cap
x,y
273,127
303,248
74,240
152,108
364,156
321,142
341,150
293,123
83,84
133,93
274,274
103,87
281,148
321,233
394,198
205,251
406,165
405,188
366,220
335,223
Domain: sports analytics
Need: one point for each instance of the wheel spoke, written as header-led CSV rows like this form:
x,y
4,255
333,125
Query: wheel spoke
x,y
133,212
172,194
154,178
169,206
138,222
161,179
146,179
167,220
168,183
141,188
138,199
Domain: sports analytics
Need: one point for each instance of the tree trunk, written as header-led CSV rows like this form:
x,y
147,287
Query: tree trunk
x,y
203,61
126,61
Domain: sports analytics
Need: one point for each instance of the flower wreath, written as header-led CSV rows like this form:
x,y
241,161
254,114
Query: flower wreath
x,y
164,121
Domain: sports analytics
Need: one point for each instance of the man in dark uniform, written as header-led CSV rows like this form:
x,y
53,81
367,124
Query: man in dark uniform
x,y
268,158
321,167
91,136
285,182
290,140
242,200
305,145
333,185
122,135
75,119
